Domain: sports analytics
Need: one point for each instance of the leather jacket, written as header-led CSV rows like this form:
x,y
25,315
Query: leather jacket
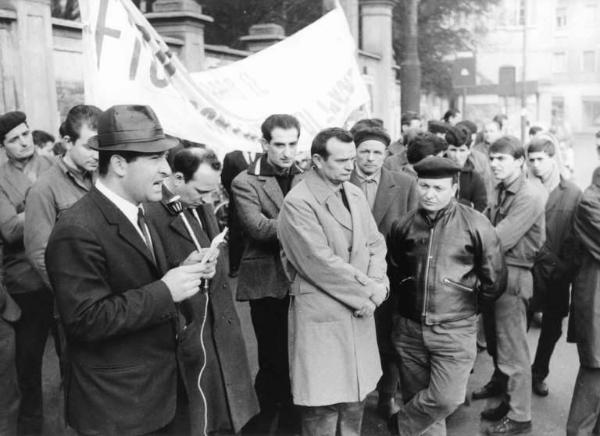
x,y
442,269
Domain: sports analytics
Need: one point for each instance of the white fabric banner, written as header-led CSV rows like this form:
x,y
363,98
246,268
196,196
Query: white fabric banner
x,y
313,74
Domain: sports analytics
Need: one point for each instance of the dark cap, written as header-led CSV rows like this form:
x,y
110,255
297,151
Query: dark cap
x,y
434,167
374,133
130,128
469,125
9,121
435,126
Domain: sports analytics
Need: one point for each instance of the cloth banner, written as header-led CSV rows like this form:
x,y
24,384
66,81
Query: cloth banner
x,y
313,74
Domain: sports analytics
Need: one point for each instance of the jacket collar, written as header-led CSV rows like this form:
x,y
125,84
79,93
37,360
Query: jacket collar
x,y
261,167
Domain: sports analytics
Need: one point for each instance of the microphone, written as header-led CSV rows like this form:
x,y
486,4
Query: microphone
x,y
175,207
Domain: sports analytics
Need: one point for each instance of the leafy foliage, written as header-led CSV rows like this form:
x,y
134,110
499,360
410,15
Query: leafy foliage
x,y
440,35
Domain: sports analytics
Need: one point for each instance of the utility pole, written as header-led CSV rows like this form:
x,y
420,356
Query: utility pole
x,y
410,72
524,76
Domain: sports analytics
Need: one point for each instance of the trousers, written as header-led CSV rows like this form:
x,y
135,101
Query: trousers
x,y
584,415
343,419
435,364
9,387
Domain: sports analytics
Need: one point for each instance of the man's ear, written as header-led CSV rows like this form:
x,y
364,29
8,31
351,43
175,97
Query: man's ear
x,y
178,179
264,144
67,142
118,165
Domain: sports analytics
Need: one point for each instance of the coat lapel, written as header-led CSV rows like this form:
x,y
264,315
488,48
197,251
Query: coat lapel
x,y
272,189
354,202
125,229
325,195
383,198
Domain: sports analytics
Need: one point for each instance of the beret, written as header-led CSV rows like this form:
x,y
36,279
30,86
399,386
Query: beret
x,y
9,121
458,135
434,167
375,133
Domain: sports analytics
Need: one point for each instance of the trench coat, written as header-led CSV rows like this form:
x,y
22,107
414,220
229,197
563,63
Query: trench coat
x,y
333,257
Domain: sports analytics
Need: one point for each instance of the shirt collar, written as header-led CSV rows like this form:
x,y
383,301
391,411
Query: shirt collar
x,y
129,209
362,177
512,187
267,169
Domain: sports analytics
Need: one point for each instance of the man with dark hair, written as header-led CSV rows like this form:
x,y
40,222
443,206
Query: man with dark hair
x,y
61,186
517,213
44,141
335,256
451,117
390,195
225,396
553,268
445,261
116,296
17,175
422,145
534,130
258,194
471,187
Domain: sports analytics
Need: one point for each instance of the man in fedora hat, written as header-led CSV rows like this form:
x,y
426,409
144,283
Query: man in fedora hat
x,y
115,297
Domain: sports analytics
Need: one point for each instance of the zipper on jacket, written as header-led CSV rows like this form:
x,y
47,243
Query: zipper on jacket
x,y
460,286
426,292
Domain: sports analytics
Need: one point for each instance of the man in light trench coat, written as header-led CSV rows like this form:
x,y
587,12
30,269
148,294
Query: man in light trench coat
x,y
335,257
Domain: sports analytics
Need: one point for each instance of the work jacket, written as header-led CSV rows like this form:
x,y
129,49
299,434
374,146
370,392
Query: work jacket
x,y
441,269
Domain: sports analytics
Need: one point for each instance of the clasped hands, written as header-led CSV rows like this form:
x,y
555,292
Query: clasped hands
x,y
380,293
184,281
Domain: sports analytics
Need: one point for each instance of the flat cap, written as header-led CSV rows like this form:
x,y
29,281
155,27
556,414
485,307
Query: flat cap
x,y
434,167
374,133
130,128
9,121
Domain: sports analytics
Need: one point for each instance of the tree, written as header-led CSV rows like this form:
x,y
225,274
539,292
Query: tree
x,y
233,18
438,37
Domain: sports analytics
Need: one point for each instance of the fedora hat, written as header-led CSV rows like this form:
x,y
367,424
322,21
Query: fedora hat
x,y
130,128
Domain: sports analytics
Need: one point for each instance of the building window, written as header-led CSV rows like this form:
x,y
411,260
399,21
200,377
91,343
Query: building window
x,y
591,112
589,17
588,61
561,17
559,62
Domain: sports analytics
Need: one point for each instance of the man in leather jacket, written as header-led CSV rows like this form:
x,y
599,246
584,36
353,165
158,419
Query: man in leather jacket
x,y
445,260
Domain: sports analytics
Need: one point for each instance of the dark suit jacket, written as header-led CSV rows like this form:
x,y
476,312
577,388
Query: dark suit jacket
x,y
396,195
226,330
258,199
119,320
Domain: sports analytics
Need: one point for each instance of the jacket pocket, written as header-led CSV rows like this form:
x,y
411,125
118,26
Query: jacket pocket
x,y
456,285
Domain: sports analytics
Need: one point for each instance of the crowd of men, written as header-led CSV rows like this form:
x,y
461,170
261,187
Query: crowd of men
x,y
368,265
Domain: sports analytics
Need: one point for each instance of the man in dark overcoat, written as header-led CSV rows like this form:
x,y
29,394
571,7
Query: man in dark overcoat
x,y
114,292
226,391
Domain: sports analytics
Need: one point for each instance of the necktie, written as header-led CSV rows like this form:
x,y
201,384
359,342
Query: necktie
x,y
369,187
195,213
501,194
143,225
344,198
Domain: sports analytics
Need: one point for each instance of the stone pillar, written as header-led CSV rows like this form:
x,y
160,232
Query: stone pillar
x,y
261,36
351,9
182,20
376,18
35,84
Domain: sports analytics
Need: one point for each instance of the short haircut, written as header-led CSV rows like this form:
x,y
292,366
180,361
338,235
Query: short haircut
x,y
469,125
59,149
283,121
407,117
188,160
421,146
61,129
542,143
191,144
499,119
508,144
366,123
78,116
104,157
450,113
319,143
458,136
40,137
534,130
